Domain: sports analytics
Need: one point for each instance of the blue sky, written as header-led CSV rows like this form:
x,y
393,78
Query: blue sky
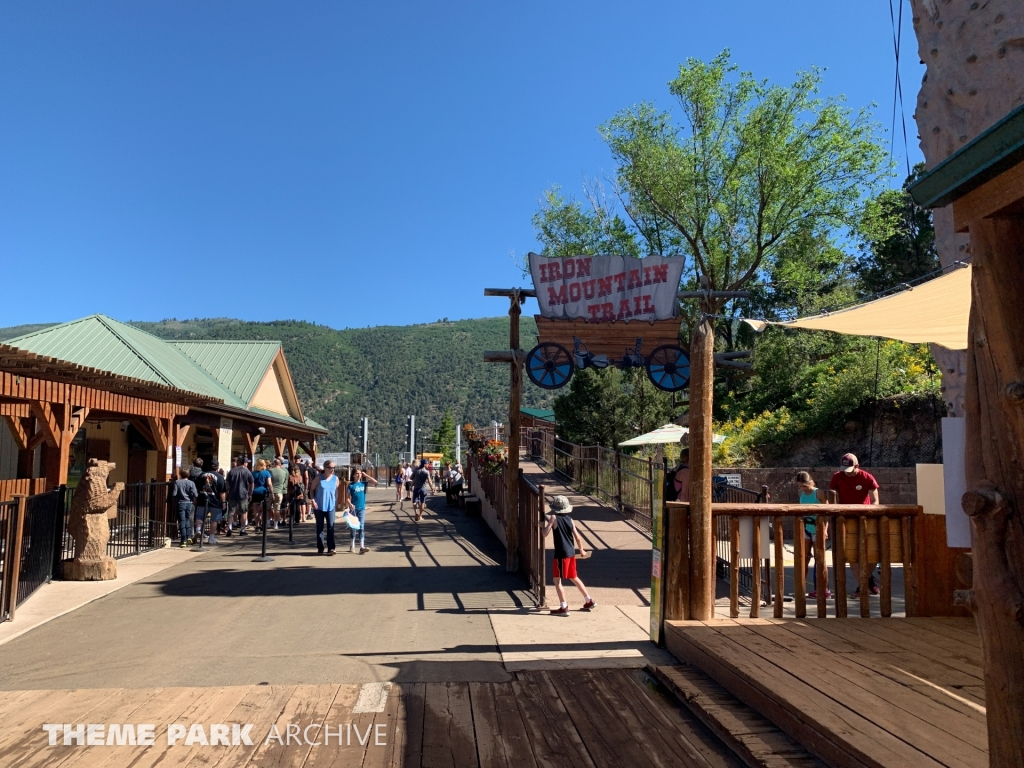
x,y
346,163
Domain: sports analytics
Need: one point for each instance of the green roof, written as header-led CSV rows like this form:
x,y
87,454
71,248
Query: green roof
x,y
226,370
539,413
996,150
238,365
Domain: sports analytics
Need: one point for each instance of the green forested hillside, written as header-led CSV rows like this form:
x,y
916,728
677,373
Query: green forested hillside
x,y
385,373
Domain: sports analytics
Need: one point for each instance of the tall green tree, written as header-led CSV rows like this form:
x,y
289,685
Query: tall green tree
x,y
898,240
605,407
444,436
745,167
565,227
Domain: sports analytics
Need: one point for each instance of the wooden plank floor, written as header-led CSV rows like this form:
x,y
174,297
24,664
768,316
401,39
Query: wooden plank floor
x,y
854,692
585,718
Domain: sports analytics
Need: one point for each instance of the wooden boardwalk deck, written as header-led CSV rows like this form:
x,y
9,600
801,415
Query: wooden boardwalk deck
x,y
567,719
854,692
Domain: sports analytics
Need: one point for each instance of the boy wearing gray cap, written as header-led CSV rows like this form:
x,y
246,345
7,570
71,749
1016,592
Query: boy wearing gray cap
x,y
566,540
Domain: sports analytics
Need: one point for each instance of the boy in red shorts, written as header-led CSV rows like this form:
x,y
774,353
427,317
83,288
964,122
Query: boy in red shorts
x,y
566,539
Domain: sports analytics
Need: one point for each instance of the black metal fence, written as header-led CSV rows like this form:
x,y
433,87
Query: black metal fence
x,y
612,477
39,541
142,522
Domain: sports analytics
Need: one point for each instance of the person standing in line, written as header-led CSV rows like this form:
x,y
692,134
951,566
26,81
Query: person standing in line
x,y
455,482
184,494
296,491
408,481
240,486
811,494
357,505
306,468
196,471
211,489
566,539
855,486
279,485
399,482
262,488
324,499
420,482
678,482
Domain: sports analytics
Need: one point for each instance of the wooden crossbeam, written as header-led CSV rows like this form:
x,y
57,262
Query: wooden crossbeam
x,y
158,434
15,410
252,442
21,437
279,446
49,427
78,417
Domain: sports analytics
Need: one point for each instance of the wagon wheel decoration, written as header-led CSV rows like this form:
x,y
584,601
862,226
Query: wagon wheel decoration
x,y
668,368
549,365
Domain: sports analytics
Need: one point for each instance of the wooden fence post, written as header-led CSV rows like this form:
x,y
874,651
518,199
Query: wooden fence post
x,y
13,554
618,479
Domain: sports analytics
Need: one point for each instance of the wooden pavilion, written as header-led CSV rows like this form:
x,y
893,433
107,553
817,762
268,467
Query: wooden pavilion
x,y
97,388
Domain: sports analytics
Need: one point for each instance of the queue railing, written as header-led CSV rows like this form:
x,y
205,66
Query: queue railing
x,y
863,535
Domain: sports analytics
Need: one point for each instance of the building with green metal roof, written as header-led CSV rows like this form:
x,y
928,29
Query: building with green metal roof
x,y
247,396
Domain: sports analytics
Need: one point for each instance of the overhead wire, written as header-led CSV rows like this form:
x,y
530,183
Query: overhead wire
x,y
896,20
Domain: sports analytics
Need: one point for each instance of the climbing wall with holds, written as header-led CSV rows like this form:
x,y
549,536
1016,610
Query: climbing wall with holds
x,y
974,54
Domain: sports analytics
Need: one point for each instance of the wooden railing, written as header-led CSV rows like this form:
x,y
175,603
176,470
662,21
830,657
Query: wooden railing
x,y
23,487
531,512
11,531
862,534
531,542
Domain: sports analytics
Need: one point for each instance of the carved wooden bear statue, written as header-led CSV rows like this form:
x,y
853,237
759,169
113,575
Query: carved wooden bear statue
x,y
92,507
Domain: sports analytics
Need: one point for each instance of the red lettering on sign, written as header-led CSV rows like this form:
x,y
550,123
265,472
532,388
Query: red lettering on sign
x,y
554,271
604,287
595,312
661,273
582,267
620,281
648,307
608,311
574,291
624,309
647,275
557,297
589,289
636,305
568,269
634,279
543,273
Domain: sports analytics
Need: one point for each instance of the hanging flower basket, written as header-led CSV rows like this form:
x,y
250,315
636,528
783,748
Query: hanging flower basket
x,y
490,455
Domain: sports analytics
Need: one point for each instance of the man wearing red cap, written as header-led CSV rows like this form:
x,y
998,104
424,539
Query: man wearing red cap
x,y
855,486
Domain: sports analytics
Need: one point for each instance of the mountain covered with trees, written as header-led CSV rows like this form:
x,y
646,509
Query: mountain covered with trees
x,y
386,373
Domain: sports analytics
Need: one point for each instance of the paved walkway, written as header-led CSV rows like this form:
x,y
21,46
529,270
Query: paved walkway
x,y
430,602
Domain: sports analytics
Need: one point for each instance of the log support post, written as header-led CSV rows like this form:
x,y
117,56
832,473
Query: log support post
x,y
994,409
702,556
515,357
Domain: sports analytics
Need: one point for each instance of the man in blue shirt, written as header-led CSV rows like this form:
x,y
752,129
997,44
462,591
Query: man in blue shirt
x,y
325,506
357,504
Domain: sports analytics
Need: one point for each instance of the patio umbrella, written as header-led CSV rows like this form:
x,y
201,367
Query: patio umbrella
x,y
669,433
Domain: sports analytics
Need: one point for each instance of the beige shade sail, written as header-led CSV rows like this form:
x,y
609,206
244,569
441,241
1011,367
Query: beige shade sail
x,y
935,312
